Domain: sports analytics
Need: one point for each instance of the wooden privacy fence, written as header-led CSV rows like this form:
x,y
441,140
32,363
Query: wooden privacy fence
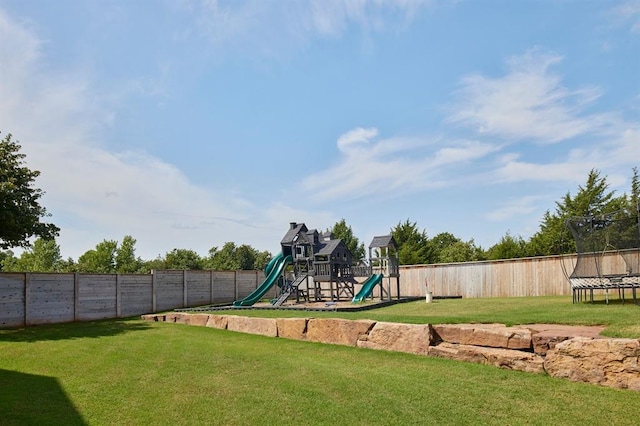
x,y
539,276
41,298
535,276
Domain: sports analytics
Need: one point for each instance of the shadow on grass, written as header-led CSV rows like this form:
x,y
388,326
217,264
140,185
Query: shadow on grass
x,y
27,399
73,330
611,301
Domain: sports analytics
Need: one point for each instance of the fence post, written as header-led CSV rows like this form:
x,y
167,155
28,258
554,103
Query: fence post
x,y
118,298
210,286
76,296
27,297
185,290
154,289
235,284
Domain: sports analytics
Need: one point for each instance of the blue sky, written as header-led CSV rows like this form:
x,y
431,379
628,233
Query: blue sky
x,y
189,123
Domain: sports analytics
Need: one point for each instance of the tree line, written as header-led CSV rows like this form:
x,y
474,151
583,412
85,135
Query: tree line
x,y
21,218
552,238
110,256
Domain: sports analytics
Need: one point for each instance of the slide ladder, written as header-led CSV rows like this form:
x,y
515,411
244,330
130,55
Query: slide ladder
x,y
290,289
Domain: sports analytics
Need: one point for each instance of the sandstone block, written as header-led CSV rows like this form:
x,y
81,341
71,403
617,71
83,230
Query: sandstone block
x,y
542,342
489,335
411,338
199,320
547,336
504,358
151,317
337,331
292,328
217,321
177,317
607,362
263,326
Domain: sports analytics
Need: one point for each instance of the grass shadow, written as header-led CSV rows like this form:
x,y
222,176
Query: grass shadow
x,y
73,330
612,301
28,399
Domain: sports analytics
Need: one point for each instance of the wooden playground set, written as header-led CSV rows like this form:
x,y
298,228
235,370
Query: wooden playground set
x,y
314,267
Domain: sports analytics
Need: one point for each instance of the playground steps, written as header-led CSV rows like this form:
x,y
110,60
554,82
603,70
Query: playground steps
x,y
290,289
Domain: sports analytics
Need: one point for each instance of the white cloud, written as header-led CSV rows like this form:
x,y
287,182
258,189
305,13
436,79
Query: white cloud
x,y
513,208
388,167
356,138
97,194
628,13
614,154
332,17
529,102
267,26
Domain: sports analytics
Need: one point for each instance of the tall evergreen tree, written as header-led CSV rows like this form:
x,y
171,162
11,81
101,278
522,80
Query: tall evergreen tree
x,y
509,247
593,198
413,247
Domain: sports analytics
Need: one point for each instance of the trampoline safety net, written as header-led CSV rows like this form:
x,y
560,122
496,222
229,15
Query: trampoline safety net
x,y
608,250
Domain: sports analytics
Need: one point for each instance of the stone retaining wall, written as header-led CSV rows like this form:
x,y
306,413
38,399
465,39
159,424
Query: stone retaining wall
x,y
603,361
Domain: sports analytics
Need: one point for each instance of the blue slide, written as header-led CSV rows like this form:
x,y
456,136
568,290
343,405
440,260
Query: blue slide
x,y
367,288
273,271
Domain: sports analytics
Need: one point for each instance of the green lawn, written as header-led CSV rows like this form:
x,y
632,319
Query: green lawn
x,y
134,372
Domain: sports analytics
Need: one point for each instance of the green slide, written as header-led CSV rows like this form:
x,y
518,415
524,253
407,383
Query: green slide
x,y
269,267
273,271
367,288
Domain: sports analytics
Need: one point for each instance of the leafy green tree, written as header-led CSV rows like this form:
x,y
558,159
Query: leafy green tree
x,y
20,210
43,256
183,259
461,251
342,231
125,258
509,247
68,265
413,244
224,259
439,243
246,257
100,260
4,256
447,248
233,258
146,266
262,259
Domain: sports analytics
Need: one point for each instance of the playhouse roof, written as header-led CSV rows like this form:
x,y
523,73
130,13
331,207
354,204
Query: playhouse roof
x,y
294,229
326,248
383,241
